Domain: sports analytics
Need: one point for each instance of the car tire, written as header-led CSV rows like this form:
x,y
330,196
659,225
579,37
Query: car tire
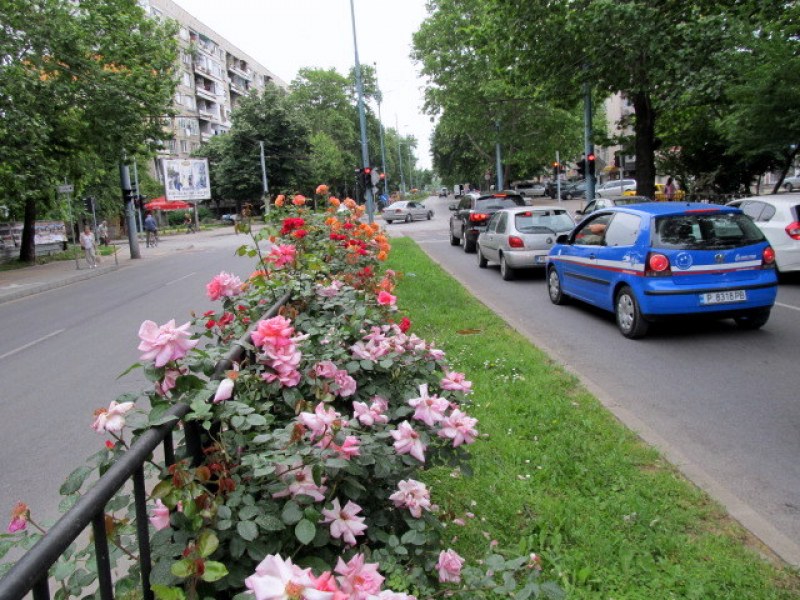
x,y
469,247
408,219
506,272
754,320
557,295
789,187
567,196
430,215
630,321
454,241
482,262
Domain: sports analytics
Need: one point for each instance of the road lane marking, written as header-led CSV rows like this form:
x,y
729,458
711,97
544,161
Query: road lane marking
x,y
29,344
181,278
787,306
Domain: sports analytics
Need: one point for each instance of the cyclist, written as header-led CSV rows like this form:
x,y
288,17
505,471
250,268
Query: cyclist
x,y
151,228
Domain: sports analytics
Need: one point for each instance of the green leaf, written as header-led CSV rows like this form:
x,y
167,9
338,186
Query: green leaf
x,y
270,523
207,543
74,481
305,531
247,530
291,513
214,571
129,369
163,592
256,420
183,568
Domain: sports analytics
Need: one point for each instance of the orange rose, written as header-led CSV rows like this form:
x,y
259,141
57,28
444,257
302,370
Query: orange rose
x,y
280,200
350,203
334,201
382,255
322,189
299,200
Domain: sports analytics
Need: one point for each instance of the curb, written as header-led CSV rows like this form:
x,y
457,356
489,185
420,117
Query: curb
x,y
50,285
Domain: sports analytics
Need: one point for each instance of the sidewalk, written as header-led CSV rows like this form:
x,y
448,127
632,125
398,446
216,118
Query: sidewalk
x,y
26,281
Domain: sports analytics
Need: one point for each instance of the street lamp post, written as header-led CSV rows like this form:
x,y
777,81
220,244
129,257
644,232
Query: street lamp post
x,y
362,117
264,180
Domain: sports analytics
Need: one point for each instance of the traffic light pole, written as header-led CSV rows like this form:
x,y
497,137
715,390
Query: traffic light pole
x,y
498,158
362,117
588,145
130,218
558,177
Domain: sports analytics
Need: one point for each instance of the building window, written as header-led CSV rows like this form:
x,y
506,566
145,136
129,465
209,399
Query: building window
x,y
187,79
188,102
184,147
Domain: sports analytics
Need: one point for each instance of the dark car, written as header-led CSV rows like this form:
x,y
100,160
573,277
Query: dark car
x,y
599,203
472,213
569,189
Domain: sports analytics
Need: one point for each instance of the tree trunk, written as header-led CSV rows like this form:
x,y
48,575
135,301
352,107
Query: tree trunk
x,y
27,248
786,166
644,128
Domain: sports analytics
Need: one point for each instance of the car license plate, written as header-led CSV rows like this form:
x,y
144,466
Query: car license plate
x,y
723,297
540,259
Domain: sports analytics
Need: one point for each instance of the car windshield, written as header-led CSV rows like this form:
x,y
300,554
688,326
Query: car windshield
x,y
543,221
498,203
706,231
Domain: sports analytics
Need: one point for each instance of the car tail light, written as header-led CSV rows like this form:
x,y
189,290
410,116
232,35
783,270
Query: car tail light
x,y
398,210
478,217
657,264
768,256
793,230
515,242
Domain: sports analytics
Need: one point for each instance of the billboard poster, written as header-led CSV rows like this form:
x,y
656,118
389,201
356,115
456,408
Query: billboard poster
x,y
187,179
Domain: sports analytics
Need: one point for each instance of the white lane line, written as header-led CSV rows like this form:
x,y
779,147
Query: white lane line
x,y
29,344
787,306
181,278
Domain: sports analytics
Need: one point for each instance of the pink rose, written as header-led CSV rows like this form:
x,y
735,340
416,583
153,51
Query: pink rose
x,y
456,382
449,566
428,409
224,391
326,369
386,299
19,518
279,579
111,419
412,495
281,255
164,343
276,331
159,517
359,579
346,384
224,285
407,441
345,522
458,427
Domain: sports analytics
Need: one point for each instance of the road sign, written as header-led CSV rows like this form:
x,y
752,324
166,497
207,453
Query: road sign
x,y
487,176
66,188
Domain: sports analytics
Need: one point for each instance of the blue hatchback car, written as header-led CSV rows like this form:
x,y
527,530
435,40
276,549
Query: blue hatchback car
x,y
649,261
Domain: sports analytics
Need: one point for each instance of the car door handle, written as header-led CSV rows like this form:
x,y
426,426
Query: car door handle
x,y
592,257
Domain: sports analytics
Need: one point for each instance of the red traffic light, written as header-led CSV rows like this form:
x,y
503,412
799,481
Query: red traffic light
x,y
555,164
590,157
383,175
367,170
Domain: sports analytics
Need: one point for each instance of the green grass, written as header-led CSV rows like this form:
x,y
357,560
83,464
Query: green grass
x,y
556,474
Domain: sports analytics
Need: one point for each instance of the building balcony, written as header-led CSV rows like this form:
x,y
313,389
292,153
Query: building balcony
x,y
204,71
244,74
237,89
205,93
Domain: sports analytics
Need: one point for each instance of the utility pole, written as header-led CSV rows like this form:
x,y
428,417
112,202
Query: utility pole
x,y
588,145
362,118
400,158
498,158
264,180
383,147
558,176
138,193
130,219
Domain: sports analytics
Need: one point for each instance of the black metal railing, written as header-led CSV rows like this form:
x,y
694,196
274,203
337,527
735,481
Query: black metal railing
x,y
30,573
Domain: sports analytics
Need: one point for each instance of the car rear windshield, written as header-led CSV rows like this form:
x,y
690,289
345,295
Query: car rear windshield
x,y
705,231
498,203
542,221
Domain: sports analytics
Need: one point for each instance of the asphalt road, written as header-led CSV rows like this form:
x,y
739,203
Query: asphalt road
x,y
62,350
721,403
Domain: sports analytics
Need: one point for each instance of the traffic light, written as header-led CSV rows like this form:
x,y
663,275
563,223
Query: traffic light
x,y
128,196
556,169
582,167
88,203
591,160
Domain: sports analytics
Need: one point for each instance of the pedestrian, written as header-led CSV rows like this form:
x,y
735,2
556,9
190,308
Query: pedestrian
x,y
669,190
151,229
89,247
102,233
187,220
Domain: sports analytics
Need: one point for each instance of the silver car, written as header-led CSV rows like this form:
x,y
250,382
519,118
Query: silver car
x,y
407,211
778,218
521,237
613,188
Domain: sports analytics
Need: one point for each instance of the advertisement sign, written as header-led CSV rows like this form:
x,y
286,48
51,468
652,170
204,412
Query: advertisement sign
x,y
187,179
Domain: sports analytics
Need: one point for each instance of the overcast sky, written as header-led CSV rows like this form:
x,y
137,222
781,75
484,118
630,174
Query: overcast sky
x,y
286,35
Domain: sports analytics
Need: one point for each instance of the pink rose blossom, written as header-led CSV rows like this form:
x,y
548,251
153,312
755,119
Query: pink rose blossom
x,y
449,566
224,391
329,291
164,343
428,409
19,518
281,255
370,415
169,380
159,517
326,369
279,579
111,419
407,441
349,448
274,332
386,299
412,495
390,595
346,384
345,523
322,421
224,285
436,354
456,382
458,427
301,482
359,579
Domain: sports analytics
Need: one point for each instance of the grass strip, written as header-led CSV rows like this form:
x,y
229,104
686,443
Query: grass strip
x,y
558,475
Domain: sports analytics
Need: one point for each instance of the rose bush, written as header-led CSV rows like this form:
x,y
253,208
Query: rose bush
x,y
314,443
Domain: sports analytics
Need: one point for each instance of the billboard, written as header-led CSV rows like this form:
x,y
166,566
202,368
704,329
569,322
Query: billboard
x,y
187,179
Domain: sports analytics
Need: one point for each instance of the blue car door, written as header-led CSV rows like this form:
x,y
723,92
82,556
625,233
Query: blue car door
x,y
584,276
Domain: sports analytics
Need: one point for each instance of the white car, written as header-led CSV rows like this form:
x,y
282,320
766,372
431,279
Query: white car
x,y
778,218
530,188
613,188
791,184
407,211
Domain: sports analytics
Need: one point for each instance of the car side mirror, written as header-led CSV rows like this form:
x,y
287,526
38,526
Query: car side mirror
x,y
453,207
562,239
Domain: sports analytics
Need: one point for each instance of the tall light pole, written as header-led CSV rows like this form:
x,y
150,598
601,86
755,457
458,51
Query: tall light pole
x,y
379,97
264,181
498,158
400,158
362,118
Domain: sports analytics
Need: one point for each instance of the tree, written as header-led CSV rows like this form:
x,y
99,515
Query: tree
x,y
81,83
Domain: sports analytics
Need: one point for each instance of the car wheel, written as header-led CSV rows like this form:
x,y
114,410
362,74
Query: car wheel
x,y
630,321
557,295
753,320
408,219
506,272
430,215
454,241
568,196
482,262
469,247
789,187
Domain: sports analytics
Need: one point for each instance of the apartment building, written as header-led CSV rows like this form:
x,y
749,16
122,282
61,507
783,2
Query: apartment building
x,y
618,111
213,75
